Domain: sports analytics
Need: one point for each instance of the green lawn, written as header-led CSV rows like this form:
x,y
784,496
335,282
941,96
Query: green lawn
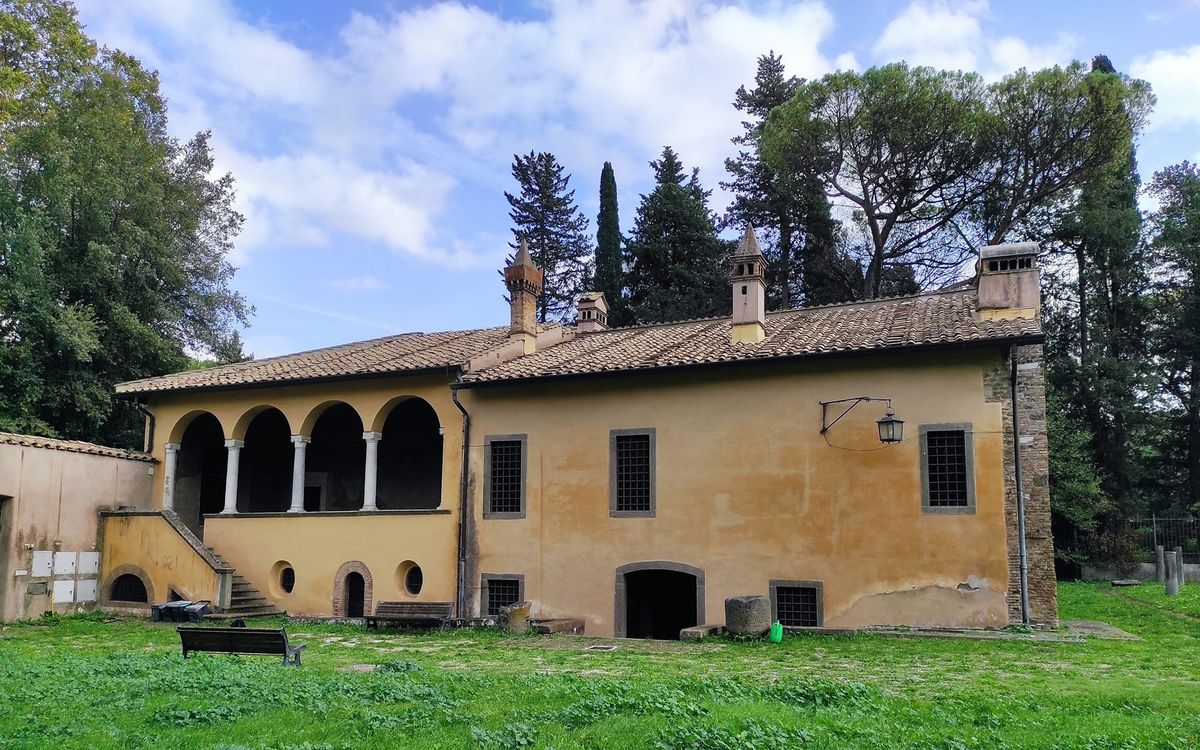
x,y
85,683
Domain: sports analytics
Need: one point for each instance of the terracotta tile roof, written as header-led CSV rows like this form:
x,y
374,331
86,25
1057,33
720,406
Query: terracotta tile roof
x,y
406,352
931,319
73,446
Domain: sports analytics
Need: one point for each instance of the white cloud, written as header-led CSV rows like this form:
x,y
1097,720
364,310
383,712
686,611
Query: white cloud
x,y
953,36
1175,77
935,33
374,136
360,284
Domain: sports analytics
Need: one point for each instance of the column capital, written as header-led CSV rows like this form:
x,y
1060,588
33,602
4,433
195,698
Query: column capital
x,y
301,439
372,437
235,443
172,447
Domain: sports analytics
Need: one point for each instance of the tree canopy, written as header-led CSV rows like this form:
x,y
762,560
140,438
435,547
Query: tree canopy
x,y
114,238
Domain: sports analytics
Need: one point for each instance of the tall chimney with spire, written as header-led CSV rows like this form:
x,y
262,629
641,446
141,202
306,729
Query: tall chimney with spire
x,y
749,291
524,282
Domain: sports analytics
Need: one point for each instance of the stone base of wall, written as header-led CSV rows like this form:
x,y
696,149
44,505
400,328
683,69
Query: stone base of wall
x,y
1035,481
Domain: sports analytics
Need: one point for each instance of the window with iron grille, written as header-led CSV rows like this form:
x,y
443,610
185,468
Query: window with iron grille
x,y
632,473
505,476
129,588
500,592
947,475
797,606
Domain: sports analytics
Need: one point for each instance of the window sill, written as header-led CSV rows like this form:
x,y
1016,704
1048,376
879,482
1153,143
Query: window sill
x,y
335,513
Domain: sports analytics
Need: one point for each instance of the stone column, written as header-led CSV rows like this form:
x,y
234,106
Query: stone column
x,y
372,469
301,444
169,468
234,455
1172,574
1179,565
1160,565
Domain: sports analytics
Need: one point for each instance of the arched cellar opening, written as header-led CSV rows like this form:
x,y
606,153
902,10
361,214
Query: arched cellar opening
x,y
333,476
657,600
355,595
265,467
129,588
410,458
200,472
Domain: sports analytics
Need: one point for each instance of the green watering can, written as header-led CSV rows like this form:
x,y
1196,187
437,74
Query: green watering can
x,y
777,632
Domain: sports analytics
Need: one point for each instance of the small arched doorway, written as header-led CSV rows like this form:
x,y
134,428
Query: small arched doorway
x,y
657,599
354,595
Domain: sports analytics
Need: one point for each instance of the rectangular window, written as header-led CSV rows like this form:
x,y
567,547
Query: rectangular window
x,y
947,469
798,604
504,476
500,591
631,456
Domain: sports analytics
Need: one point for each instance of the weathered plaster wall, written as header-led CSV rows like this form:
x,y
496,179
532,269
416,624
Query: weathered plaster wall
x,y
148,547
317,545
55,496
748,490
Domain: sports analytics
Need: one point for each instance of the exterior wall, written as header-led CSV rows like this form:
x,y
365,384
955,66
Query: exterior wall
x,y
749,491
316,546
54,499
147,546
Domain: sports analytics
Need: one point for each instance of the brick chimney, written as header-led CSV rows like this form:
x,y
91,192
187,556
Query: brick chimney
x,y
592,312
1009,281
524,282
749,291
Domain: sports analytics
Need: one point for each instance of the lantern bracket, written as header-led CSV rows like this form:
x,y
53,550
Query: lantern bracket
x,y
854,401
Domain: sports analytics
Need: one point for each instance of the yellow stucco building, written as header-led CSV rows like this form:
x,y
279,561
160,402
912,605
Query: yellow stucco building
x,y
633,478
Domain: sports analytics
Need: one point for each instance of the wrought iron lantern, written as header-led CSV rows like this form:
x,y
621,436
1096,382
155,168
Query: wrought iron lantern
x,y
891,429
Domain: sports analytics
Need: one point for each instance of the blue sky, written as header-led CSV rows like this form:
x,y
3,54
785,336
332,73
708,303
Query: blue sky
x,y
371,142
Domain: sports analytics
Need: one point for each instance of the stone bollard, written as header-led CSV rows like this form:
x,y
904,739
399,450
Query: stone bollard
x,y
748,615
1172,576
1160,565
1179,566
514,618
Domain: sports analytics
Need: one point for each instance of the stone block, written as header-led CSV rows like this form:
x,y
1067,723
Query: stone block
x,y
515,617
560,626
748,615
698,632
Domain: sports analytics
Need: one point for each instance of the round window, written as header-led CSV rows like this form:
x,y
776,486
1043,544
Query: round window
x,y
287,579
413,580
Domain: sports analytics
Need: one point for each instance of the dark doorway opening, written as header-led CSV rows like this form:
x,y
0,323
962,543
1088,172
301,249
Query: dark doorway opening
x,y
200,472
129,588
355,594
659,603
265,472
337,452
410,458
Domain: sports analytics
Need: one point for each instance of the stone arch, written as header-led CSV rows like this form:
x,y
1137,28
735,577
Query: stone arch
x,y
410,455
620,611
335,463
339,586
200,467
310,420
123,570
385,411
243,422
181,424
265,469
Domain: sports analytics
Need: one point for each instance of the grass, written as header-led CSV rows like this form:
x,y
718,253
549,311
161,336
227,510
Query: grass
x,y
83,682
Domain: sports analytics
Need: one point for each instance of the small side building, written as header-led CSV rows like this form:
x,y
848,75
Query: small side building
x,y
51,492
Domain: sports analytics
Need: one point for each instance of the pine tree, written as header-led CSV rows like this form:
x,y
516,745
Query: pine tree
x,y
677,264
610,273
545,215
800,234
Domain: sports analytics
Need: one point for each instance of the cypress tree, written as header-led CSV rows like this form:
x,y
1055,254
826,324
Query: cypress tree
x,y
677,264
544,214
610,275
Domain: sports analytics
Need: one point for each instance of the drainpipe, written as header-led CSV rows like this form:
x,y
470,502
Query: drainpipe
x,y
1020,493
461,583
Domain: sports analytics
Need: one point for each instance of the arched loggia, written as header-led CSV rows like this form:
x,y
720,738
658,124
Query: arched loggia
x,y
265,468
200,471
410,457
335,462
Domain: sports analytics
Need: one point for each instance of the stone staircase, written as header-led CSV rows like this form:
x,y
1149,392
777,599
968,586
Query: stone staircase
x,y
244,599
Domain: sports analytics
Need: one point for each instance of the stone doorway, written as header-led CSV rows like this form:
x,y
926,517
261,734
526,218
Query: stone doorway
x,y
355,595
657,600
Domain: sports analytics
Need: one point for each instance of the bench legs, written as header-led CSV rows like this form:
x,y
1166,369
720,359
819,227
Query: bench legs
x,y
291,657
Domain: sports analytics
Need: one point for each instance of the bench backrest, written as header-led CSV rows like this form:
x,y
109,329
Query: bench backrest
x,y
234,640
413,609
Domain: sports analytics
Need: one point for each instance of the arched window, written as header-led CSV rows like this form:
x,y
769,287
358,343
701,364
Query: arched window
x,y
129,588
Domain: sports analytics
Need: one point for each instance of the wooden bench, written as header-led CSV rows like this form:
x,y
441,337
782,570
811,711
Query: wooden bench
x,y
410,613
240,641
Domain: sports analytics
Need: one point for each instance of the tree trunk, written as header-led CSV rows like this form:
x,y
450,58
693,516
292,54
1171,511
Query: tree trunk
x,y
785,259
1193,412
